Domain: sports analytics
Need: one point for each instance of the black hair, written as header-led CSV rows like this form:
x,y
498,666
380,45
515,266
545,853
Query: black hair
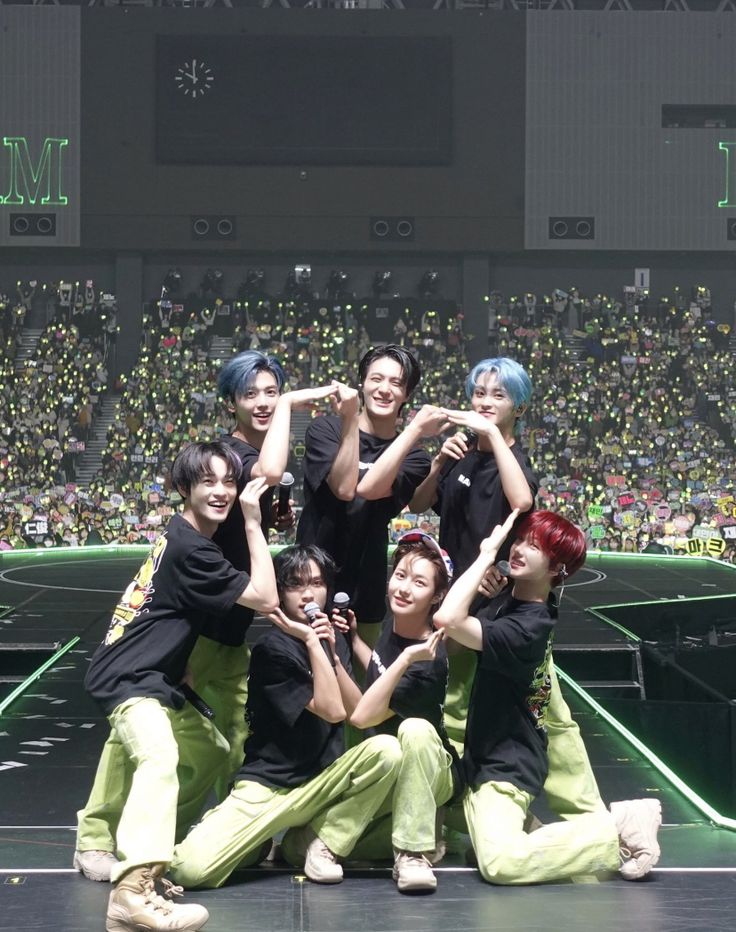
x,y
410,367
192,465
291,566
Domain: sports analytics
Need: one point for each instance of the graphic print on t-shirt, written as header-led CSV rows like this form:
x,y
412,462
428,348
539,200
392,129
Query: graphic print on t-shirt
x,y
137,595
541,685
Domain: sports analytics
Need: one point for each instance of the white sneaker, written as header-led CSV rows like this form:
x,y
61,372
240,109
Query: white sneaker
x,y
637,823
320,864
95,865
301,848
413,872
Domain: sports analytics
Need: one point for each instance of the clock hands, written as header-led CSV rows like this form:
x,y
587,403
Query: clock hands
x,y
194,78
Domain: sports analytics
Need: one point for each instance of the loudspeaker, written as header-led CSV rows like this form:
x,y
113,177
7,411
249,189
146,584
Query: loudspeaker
x,y
32,225
731,228
392,229
213,227
571,228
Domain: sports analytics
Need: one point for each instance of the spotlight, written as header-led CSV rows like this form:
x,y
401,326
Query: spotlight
x,y
212,282
381,283
429,284
299,282
337,285
254,284
172,282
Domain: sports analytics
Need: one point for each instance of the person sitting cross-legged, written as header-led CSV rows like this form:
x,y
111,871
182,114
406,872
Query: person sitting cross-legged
x,y
296,774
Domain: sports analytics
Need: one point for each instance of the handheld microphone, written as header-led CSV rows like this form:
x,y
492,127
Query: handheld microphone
x,y
287,481
504,568
197,701
311,610
341,603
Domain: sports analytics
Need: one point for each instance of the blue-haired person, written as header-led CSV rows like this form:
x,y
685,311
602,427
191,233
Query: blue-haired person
x,y
251,386
479,477
481,473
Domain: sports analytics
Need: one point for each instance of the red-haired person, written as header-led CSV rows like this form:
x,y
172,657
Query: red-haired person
x,y
505,754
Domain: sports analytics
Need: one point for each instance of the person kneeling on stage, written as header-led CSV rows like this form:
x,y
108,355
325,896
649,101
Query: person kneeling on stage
x,y
138,672
295,775
505,754
406,680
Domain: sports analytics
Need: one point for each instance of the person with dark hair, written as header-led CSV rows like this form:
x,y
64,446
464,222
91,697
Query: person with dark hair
x,y
505,754
138,673
359,472
405,683
295,775
250,384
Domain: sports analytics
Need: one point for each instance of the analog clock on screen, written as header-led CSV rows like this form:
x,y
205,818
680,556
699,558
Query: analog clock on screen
x,y
194,78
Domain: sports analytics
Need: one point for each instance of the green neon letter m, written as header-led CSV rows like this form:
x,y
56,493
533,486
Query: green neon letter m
x,y
730,199
44,178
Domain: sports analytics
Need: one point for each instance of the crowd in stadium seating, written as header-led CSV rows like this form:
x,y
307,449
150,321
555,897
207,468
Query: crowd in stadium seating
x,y
47,405
631,427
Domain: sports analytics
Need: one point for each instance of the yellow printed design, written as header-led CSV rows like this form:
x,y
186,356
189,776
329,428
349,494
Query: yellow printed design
x,y
538,699
137,595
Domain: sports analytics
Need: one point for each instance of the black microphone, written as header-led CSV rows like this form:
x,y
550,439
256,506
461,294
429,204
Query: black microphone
x,y
311,610
197,701
504,568
287,481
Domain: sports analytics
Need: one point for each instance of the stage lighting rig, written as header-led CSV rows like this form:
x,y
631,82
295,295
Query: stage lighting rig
x,y
429,284
172,281
254,284
382,281
337,286
212,282
299,282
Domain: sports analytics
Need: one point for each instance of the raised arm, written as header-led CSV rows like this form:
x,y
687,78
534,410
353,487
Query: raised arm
x,y
274,453
375,704
378,481
260,593
513,481
326,701
343,475
452,616
425,496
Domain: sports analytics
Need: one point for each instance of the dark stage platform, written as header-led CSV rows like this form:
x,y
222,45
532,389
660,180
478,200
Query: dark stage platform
x,y
51,734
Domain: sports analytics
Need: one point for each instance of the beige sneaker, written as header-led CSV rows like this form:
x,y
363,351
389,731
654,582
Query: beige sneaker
x,y
320,864
134,905
413,872
95,865
637,823
301,848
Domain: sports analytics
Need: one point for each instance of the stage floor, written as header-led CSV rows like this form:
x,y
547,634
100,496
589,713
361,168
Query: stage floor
x,y
51,736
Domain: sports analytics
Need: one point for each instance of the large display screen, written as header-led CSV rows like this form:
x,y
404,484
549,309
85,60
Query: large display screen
x,y
295,100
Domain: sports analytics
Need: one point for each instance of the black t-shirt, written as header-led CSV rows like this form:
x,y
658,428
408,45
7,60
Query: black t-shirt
x,y
471,502
287,744
420,693
354,533
506,738
184,580
230,537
